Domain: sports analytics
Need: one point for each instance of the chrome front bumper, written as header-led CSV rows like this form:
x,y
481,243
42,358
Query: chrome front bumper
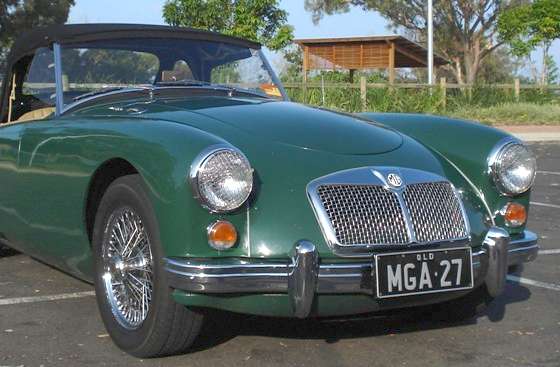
x,y
305,275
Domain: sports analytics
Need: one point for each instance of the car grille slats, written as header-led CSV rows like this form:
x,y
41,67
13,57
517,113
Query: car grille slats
x,y
371,215
435,212
364,214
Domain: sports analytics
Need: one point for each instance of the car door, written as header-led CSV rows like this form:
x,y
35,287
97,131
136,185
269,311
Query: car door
x,y
30,91
55,175
41,198
10,221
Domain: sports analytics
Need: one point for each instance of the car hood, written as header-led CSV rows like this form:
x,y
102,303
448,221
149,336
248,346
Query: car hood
x,y
286,123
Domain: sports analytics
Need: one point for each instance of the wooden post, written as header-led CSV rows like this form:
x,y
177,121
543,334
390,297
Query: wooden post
x,y
65,83
363,92
334,57
305,68
443,87
323,89
351,76
362,56
392,63
517,89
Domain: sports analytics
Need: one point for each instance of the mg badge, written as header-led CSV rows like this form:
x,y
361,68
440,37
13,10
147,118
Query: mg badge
x,y
394,179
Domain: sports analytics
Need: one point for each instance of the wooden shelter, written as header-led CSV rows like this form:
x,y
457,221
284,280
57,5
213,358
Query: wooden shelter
x,y
358,53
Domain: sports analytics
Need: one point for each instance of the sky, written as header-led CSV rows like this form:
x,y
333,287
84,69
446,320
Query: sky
x,y
354,23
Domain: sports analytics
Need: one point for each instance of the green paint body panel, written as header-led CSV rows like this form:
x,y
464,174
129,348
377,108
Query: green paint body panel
x,y
466,144
46,168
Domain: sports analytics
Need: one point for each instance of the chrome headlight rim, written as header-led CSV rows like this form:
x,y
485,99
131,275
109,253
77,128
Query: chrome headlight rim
x,y
495,158
194,181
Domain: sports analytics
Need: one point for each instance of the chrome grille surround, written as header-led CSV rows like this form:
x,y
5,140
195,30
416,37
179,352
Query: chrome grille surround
x,y
360,212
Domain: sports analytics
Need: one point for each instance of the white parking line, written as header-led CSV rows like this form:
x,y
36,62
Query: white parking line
x,y
549,252
549,173
56,297
535,283
546,205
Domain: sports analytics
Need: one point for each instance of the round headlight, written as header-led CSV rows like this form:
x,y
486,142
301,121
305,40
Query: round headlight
x,y
513,167
222,178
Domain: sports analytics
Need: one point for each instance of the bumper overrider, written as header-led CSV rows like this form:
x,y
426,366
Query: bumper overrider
x,y
305,275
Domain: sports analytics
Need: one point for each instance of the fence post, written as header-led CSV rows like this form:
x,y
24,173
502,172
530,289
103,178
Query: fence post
x,y
517,88
363,92
305,68
392,62
323,89
65,83
443,87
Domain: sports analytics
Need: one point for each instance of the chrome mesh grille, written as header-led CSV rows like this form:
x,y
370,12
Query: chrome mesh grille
x,y
372,215
435,212
364,214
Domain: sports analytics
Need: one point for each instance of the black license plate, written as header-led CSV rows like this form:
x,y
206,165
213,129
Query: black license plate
x,y
420,272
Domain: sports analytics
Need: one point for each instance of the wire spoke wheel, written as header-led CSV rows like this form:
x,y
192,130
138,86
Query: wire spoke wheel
x,y
131,286
127,268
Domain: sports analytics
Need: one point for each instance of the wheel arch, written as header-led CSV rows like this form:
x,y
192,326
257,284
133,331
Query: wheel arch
x,y
100,181
161,153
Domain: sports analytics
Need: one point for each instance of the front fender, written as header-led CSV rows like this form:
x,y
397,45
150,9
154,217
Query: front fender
x,y
464,144
58,160
162,152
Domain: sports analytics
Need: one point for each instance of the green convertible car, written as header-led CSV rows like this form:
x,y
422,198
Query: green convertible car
x,y
168,167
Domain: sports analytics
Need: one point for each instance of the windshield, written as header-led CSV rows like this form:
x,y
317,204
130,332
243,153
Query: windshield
x,y
99,67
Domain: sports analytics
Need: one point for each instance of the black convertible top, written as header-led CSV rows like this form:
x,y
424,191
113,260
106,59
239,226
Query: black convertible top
x,y
74,33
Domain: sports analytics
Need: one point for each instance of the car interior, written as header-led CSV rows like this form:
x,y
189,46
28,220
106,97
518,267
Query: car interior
x,y
22,105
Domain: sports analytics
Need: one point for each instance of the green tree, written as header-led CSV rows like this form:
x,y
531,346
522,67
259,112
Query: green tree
x,y
109,66
258,20
17,16
529,26
293,57
464,30
553,71
499,67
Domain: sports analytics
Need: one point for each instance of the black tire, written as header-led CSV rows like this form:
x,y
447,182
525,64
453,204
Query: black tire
x,y
169,328
6,251
464,308
516,269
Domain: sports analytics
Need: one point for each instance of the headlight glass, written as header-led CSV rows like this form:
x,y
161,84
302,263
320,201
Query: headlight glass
x,y
222,179
513,167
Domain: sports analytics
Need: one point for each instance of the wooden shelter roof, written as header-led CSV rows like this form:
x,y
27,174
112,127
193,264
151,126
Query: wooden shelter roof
x,y
366,52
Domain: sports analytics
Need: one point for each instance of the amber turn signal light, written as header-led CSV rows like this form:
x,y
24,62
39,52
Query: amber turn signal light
x,y
515,215
222,235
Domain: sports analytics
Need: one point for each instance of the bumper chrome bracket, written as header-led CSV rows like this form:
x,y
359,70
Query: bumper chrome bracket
x,y
302,281
496,246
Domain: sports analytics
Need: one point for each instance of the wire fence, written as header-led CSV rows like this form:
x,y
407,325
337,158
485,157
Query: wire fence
x,y
412,97
415,97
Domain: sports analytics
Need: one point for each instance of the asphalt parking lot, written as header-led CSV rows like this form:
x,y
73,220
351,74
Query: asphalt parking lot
x,y
50,319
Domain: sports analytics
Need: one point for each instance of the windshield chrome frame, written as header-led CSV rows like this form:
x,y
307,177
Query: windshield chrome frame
x,y
59,88
274,77
60,108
